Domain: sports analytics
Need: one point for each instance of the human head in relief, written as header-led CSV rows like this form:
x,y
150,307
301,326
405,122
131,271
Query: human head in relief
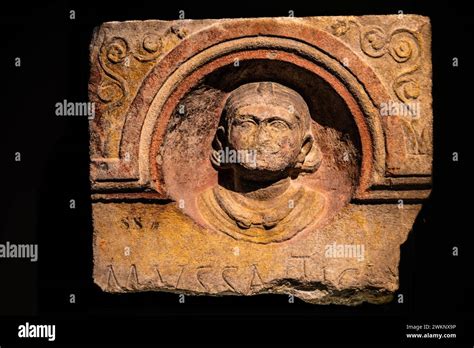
x,y
264,139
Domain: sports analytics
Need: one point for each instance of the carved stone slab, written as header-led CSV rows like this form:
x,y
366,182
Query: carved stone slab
x,y
269,155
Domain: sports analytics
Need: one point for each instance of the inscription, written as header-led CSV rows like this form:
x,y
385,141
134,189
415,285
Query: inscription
x,y
200,275
226,276
112,282
137,222
208,277
256,282
297,266
345,278
132,281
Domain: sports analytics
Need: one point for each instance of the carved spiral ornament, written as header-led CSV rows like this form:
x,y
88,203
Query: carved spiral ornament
x,y
115,54
117,50
374,42
401,44
406,87
113,88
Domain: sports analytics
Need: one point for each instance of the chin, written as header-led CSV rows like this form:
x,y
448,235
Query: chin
x,y
263,172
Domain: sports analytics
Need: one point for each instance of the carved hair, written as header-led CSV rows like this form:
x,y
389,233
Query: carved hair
x,y
274,94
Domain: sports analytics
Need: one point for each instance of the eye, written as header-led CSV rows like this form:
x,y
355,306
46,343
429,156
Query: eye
x,y
278,124
245,124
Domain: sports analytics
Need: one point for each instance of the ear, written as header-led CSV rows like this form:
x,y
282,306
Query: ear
x,y
308,143
310,156
217,148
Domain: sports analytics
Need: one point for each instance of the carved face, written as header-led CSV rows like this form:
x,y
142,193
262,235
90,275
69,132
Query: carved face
x,y
271,131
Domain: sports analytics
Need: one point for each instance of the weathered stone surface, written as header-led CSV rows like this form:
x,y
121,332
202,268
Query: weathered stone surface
x,y
270,155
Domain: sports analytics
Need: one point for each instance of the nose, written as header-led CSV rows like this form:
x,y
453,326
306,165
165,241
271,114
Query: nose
x,y
263,135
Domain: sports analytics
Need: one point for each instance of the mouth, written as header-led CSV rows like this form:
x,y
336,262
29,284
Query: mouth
x,y
267,151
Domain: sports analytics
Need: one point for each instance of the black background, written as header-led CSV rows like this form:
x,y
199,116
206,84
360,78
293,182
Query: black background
x,y
437,287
